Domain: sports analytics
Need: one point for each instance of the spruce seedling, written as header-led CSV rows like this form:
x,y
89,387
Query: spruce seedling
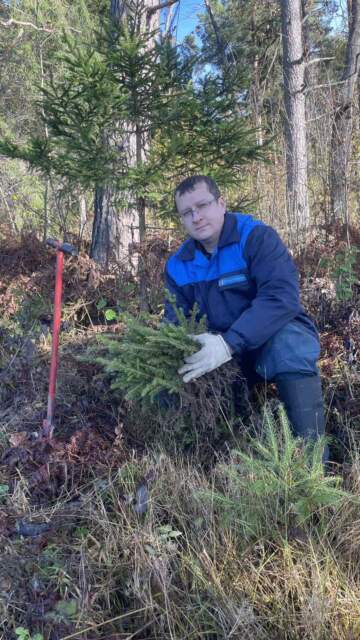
x,y
144,361
278,483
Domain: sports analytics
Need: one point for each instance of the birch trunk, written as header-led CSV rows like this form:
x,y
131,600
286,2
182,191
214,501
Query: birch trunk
x,y
295,123
83,216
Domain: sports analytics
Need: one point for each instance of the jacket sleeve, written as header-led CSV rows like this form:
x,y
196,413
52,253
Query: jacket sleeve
x,y
277,300
181,299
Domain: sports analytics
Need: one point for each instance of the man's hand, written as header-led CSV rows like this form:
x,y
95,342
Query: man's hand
x,y
214,352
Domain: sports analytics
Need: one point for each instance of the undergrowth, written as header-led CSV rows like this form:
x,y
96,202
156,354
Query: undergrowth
x,y
150,549
192,572
250,543
278,485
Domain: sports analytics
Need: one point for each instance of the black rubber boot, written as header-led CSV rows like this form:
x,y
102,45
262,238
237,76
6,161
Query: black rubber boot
x,y
303,400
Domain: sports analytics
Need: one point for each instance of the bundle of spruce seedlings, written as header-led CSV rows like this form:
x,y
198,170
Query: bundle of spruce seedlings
x,y
143,365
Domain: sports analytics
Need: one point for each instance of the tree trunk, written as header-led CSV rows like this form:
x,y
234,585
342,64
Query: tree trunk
x,y
104,234
117,9
113,230
83,216
11,216
342,122
295,122
142,227
220,44
46,210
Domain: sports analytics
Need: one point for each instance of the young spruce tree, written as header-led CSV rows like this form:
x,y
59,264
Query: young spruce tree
x,y
135,87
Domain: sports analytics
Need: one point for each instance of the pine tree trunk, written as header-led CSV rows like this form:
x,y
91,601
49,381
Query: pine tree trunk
x,y
117,9
295,122
114,230
142,227
342,122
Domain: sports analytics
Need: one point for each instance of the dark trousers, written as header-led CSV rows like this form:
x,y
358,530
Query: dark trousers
x,y
289,360
293,349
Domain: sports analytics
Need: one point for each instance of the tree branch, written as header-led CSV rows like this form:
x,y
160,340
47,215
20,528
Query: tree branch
x,y
221,45
160,6
314,60
19,23
11,22
331,84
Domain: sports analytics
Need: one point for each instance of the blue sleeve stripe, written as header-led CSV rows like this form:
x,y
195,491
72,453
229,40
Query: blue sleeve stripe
x,y
240,277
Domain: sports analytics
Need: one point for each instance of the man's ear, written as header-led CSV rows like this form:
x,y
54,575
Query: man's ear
x,y
221,201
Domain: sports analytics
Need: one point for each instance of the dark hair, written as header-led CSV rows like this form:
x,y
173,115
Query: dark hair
x,y
190,183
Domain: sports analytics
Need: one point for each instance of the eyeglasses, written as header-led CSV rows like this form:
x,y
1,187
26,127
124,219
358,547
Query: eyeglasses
x,y
199,208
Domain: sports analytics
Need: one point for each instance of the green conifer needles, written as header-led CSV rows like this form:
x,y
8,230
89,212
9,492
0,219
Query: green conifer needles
x,y
278,484
145,360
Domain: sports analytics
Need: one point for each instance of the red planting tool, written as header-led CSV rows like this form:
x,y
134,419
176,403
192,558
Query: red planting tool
x,y
61,248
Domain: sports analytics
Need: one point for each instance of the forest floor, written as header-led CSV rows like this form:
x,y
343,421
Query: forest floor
x,y
109,532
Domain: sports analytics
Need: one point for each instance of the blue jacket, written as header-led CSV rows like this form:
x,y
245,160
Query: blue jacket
x,y
248,288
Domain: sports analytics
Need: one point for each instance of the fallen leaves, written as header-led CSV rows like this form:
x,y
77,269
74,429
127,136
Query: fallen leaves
x,y
53,467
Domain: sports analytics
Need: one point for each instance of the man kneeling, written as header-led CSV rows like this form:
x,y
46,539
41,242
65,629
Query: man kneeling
x,y
239,272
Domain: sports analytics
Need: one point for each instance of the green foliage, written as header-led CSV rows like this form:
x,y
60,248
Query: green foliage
x,y
77,111
145,360
110,314
54,572
244,47
29,60
247,31
25,634
209,138
278,484
127,85
30,55
66,609
4,492
344,273
30,307
21,197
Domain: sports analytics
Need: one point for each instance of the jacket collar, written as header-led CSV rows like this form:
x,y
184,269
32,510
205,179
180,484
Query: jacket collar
x,y
229,234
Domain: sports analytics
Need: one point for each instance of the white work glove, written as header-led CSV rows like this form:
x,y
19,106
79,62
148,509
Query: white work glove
x,y
214,352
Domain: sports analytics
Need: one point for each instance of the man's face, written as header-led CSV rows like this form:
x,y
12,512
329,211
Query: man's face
x,y
201,214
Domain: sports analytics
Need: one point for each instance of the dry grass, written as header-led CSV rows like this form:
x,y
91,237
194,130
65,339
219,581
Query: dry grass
x,y
180,570
195,578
